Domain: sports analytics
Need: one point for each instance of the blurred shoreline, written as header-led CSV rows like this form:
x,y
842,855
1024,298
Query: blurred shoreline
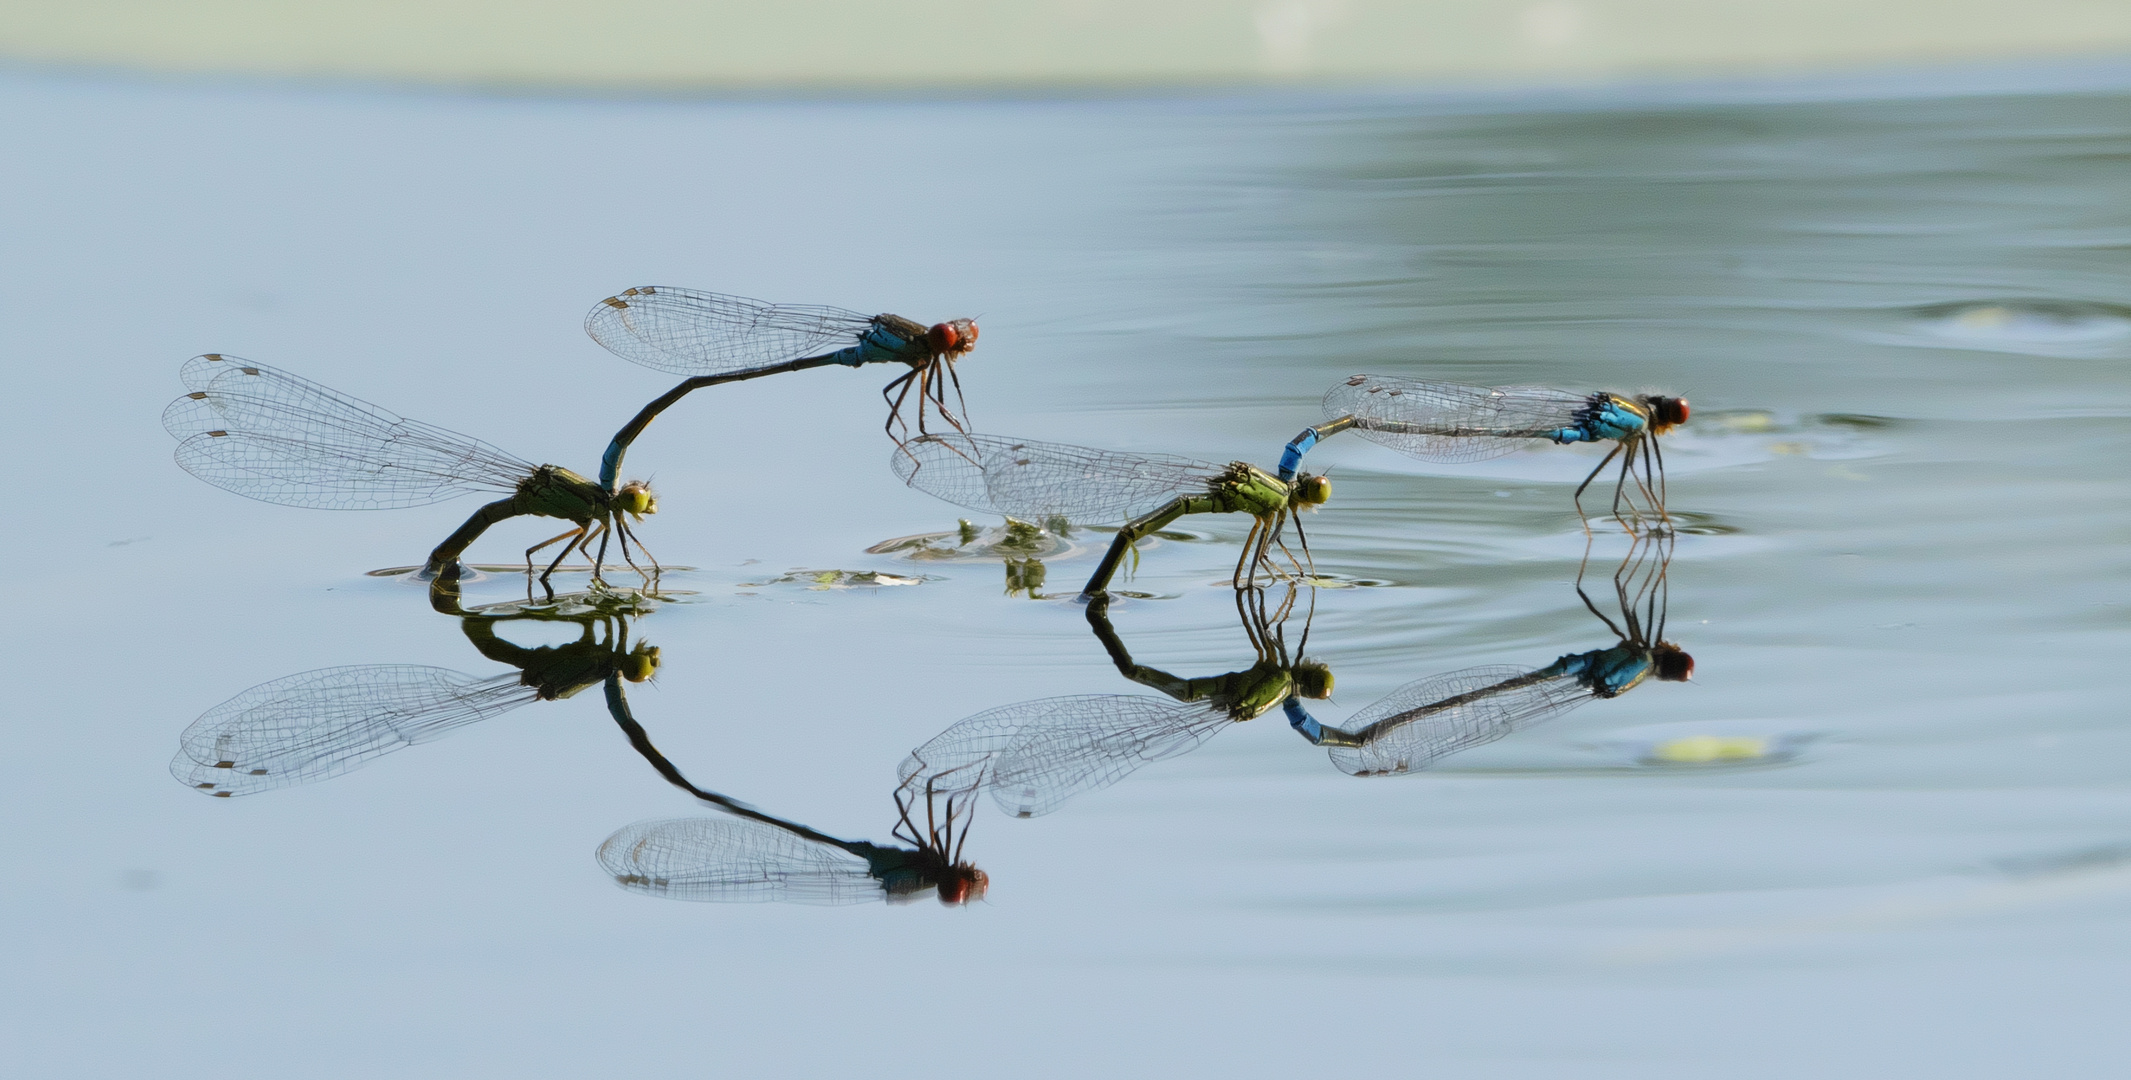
x,y
960,47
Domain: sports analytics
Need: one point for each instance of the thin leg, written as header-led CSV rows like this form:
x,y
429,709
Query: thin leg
x,y
581,538
924,375
895,404
1578,498
1279,538
1653,479
959,399
1619,486
1654,519
536,547
1253,553
629,534
622,536
1659,453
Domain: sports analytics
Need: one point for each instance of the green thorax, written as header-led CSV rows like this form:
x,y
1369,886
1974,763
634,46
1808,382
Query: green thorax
x,y
1243,695
1261,688
556,492
1243,488
560,671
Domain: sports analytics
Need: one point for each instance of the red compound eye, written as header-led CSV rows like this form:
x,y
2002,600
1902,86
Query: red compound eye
x,y
958,336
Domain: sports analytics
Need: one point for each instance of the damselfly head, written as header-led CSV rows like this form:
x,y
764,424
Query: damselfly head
x,y
1671,662
962,884
636,500
1666,413
1313,490
641,663
952,338
1312,679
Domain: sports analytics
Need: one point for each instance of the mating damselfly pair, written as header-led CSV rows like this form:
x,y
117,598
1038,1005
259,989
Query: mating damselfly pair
x,y
274,436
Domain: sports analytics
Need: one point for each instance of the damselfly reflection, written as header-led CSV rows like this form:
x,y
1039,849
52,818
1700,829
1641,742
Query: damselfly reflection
x,y
320,724
1034,755
1437,421
753,857
269,435
1425,721
715,338
1039,481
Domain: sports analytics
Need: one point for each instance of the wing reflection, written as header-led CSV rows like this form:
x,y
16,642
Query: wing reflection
x,y
1034,755
319,724
1425,721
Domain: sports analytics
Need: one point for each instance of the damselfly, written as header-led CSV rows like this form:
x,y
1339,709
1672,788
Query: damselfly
x,y
715,338
1437,421
754,857
1425,721
269,435
1039,482
1034,755
319,724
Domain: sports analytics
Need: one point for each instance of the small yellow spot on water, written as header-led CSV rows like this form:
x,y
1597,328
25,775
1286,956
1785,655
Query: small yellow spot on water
x,y
1703,749
1789,449
1747,422
1985,317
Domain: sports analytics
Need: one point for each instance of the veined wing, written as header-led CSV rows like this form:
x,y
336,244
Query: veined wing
x,y
1438,421
1443,714
1035,481
1034,755
319,724
269,435
734,860
701,333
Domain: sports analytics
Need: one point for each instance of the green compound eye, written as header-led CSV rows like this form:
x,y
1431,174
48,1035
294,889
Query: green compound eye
x,y
635,498
1312,680
1314,490
640,665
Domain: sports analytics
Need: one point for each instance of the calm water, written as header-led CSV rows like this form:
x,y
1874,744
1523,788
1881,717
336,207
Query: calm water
x,y
1899,314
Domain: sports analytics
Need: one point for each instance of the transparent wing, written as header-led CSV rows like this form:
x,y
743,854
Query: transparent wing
x,y
701,333
1437,421
272,436
1034,755
1424,721
319,724
733,860
1035,481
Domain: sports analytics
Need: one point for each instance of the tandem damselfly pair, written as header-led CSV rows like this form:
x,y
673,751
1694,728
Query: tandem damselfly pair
x,y
1449,422
270,435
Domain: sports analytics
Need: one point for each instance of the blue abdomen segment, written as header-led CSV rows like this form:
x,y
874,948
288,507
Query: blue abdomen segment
x,y
1291,458
1604,418
1300,719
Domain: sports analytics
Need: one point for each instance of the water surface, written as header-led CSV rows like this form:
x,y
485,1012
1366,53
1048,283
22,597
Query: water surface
x,y
1900,318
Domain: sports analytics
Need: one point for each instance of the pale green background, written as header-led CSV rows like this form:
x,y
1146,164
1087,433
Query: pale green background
x,y
666,45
